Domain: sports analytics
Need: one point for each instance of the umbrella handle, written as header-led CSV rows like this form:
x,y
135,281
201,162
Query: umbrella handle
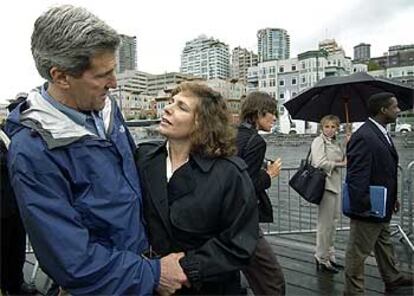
x,y
347,116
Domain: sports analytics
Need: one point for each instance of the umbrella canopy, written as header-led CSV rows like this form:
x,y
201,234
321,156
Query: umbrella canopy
x,y
345,97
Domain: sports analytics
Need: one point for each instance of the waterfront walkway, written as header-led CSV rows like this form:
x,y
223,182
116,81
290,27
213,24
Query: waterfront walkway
x,y
295,255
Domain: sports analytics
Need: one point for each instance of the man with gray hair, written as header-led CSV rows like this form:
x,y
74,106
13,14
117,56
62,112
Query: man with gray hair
x,y
71,165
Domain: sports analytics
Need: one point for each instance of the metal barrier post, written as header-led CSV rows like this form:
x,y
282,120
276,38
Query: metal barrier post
x,y
410,192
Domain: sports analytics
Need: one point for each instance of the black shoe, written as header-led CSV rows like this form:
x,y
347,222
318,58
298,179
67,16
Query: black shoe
x,y
336,265
403,281
325,267
28,289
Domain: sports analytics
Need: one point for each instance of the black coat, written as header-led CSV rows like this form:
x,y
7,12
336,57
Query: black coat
x,y
371,160
252,149
7,197
206,210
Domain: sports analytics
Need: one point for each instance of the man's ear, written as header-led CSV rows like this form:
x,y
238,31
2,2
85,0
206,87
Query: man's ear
x,y
59,78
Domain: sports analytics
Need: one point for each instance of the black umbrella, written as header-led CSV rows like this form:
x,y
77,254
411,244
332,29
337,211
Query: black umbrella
x,y
345,97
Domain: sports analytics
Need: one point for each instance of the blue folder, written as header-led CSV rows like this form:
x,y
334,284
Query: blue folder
x,y
378,196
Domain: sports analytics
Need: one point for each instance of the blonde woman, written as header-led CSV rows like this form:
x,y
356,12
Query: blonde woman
x,y
327,154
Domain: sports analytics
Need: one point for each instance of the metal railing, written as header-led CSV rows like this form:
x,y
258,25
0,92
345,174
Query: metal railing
x,y
293,214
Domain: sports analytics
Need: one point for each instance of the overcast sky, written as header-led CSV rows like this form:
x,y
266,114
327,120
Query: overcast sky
x,y
163,26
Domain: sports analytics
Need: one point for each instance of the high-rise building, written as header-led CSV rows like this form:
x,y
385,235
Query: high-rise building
x,y
126,55
241,60
273,44
330,46
206,57
362,52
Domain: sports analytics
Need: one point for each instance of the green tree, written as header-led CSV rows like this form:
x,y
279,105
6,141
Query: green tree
x,y
373,66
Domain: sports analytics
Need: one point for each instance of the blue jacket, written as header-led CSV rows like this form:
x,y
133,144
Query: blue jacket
x,y
80,200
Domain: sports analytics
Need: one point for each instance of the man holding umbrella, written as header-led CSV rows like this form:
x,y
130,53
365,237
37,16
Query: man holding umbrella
x,y
372,160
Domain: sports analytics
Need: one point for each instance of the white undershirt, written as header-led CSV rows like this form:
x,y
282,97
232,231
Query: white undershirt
x,y
382,129
168,166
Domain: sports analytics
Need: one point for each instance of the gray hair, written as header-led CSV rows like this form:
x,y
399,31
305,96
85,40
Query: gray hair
x,y
67,37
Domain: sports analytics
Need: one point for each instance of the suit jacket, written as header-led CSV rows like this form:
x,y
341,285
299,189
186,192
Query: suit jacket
x,y
371,161
207,209
324,154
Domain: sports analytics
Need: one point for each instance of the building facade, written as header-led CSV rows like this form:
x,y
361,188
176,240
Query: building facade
x,y
330,46
273,44
3,112
241,60
163,81
397,56
205,57
126,55
284,79
403,74
136,91
362,52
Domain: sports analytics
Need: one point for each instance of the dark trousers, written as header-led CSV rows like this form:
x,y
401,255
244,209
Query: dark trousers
x,y
264,273
13,247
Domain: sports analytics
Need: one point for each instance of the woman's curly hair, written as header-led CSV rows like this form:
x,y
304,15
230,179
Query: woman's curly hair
x,y
212,135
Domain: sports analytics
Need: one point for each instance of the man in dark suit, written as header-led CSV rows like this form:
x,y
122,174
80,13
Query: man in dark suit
x,y
372,160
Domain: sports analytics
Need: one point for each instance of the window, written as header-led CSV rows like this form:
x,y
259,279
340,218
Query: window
x,y
293,67
281,69
281,96
294,94
294,81
281,82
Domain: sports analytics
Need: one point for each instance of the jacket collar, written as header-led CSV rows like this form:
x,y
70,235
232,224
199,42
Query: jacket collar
x,y
54,127
204,163
381,136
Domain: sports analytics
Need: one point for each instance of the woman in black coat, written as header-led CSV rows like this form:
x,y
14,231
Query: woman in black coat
x,y
198,197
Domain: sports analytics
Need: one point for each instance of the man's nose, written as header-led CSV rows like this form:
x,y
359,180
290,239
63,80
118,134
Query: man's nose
x,y
112,82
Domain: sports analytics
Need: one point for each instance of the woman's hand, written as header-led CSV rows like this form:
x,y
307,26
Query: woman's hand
x,y
273,169
341,163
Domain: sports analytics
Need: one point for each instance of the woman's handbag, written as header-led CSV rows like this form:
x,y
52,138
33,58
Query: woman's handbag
x,y
309,181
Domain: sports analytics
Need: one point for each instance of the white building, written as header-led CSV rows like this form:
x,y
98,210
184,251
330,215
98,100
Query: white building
x,y
252,79
3,112
206,57
284,79
229,90
403,74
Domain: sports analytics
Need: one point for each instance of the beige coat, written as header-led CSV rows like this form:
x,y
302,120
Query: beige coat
x,y
324,153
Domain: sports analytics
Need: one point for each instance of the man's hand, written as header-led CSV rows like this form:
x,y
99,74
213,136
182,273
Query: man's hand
x,y
172,275
396,206
273,169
